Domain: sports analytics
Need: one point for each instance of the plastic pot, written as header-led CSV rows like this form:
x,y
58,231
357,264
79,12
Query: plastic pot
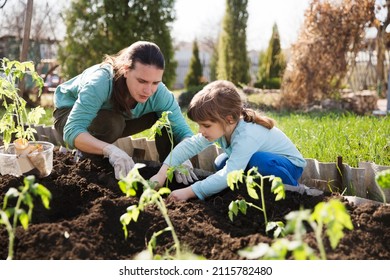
x,y
39,163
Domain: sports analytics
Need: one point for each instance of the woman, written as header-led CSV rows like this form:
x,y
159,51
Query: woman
x,y
121,96
247,138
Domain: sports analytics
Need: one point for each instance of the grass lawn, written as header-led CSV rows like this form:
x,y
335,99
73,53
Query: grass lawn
x,y
325,136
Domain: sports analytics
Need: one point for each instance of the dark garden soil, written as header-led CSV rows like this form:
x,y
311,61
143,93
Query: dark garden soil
x,y
83,220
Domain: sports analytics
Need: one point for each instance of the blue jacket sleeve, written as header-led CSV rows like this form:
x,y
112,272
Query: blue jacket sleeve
x,y
187,149
89,93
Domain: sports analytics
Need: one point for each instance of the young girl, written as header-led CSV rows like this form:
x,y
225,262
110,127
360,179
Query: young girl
x,y
247,139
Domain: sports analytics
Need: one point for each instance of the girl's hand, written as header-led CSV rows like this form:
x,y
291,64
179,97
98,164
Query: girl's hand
x,y
182,194
161,176
159,179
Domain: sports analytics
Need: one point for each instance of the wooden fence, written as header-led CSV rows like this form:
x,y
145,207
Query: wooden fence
x,y
327,176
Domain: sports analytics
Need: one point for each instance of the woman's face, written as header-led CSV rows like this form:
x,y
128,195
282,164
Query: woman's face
x,y
142,81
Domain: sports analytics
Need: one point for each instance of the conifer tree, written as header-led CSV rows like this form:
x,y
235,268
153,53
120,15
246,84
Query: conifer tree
x,y
96,28
213,65
233,61
271,63
195,73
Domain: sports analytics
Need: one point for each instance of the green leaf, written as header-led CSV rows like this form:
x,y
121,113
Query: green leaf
x,y
243,206
234,177
295,222
170,173
252,193
135,213
278,228
277,188
334,215
125,219
383,179
24,219
164,191
233,210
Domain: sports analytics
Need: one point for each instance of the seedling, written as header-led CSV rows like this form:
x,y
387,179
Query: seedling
x,y
24,196
160,124
16,120
331,215
251,180
382,178
157,128
335,218
150,195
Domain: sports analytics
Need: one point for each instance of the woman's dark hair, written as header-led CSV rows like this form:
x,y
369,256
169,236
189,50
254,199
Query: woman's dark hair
x,y
147,53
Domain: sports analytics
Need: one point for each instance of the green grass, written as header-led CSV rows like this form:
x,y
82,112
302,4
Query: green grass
x,y
47,119
325,136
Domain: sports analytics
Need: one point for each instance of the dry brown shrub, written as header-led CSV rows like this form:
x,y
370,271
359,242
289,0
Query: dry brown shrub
x,y
318,62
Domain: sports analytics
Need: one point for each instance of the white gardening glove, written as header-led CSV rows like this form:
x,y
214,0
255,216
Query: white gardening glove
x,y
119,159
187,178
303,189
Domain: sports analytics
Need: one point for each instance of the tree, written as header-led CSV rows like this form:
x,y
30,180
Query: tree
x,y
45,22
99,27
382,41
26,40
233,62
28,28
213,64
318,64
195,73
271,63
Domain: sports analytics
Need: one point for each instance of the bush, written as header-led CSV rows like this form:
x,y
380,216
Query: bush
x,y
272,83
186,96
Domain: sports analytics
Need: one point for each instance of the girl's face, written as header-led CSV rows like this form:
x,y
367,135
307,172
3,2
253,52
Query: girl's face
x,y
142,81
211,130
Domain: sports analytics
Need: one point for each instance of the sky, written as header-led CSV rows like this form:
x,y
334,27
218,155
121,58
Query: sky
x,y
200,18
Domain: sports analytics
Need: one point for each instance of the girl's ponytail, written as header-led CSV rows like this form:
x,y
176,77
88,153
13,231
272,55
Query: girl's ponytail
x,y
251,115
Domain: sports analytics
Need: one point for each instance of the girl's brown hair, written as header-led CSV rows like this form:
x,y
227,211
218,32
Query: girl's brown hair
x,y
144,52
220,99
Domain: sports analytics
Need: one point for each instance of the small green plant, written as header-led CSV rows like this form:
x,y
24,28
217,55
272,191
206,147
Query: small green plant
x,y
252,178
157,128
24,196
331,215
16,120
334,216
382,178
150,195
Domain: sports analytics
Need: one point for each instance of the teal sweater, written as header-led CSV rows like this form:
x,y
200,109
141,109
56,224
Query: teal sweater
x,y
247,139
91,91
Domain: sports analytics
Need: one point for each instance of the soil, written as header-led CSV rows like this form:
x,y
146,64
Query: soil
x,y
83,220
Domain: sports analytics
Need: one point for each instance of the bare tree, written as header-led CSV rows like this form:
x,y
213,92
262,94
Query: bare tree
x,y
381,42
27,29
26,21
26,40
318,63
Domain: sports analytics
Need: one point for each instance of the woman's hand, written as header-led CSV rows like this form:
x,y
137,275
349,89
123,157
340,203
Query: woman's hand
x,y
182,194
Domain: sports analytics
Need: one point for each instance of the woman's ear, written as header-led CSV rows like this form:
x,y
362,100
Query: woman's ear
x,y
125,70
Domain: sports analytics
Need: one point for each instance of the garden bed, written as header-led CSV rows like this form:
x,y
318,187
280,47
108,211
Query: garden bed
x,y
83,220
